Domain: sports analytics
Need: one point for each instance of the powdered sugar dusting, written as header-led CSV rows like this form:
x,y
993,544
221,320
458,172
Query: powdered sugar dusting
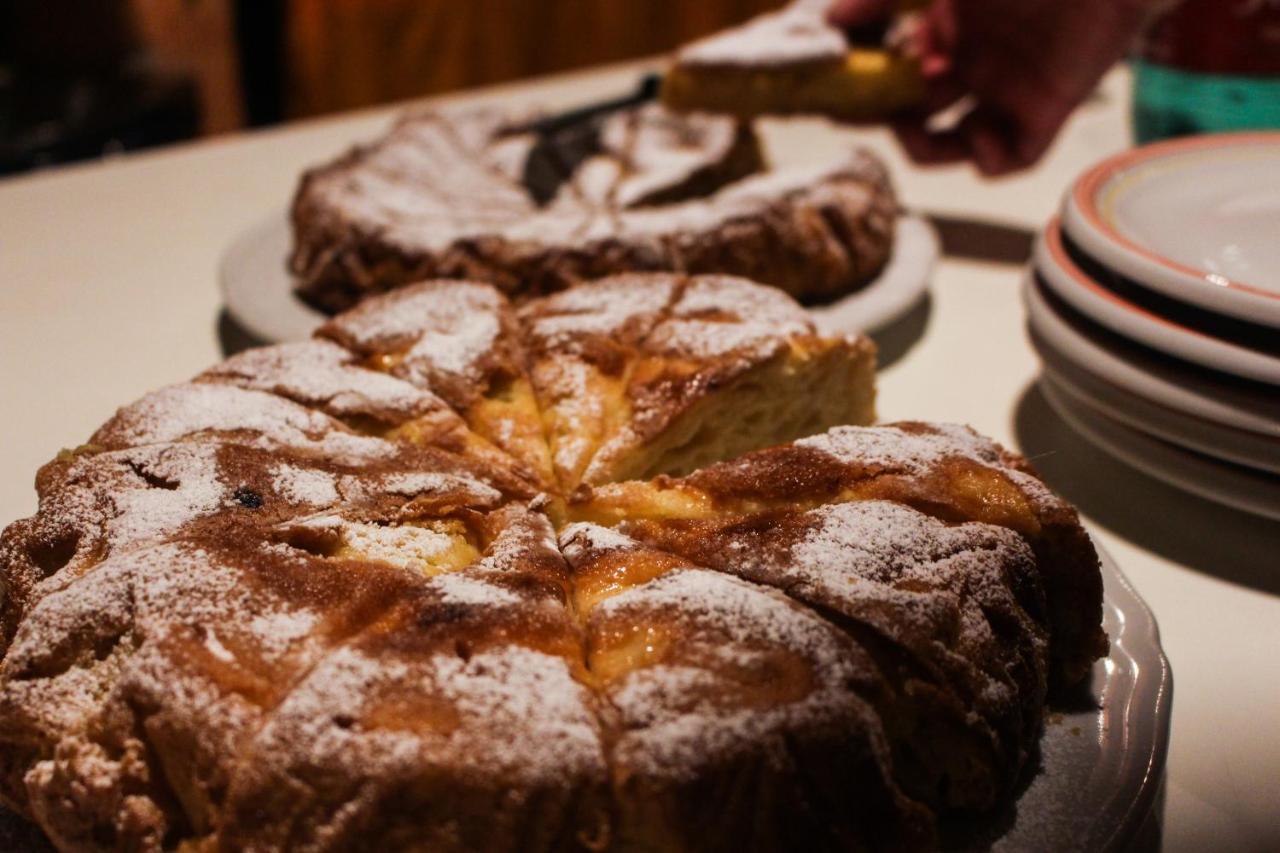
x,y
660,151
193,409
489,697
457,349
877,551
885,542
415,483
895,449
580,537
144,513
285,627
721,315
674,716
662,189
305,486
567,386
742,610
405,316
321,373
466,589
798,34
518,689
606,307
443,178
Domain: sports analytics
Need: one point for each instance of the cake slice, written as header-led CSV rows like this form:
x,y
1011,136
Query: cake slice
x,y
788,62
947,472
642,375
727,694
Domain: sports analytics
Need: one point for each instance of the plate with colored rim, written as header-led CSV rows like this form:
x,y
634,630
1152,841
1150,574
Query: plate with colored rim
x,y
1196,219
1193,433
1101,762
1219,343
1245,489
1145,373
259,295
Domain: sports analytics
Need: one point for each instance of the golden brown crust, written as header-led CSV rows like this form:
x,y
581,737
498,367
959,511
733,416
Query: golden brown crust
x,y
440,197
312,600
947,472
789,62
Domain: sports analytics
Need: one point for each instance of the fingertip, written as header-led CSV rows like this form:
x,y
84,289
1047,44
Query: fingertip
x,y
928,148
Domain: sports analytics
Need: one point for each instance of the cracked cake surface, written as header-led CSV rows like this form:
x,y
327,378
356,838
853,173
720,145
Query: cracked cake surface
x,y
444,194
349,594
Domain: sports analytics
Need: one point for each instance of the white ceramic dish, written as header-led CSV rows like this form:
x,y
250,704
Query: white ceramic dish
x,y
1252,491
1101,767
259,293
1115,312
1144,374
1197,219
1231,445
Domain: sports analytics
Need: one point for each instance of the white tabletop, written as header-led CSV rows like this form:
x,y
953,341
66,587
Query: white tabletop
x,y
108,289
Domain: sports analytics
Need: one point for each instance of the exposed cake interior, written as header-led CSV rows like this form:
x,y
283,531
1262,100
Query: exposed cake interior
x,y
646,375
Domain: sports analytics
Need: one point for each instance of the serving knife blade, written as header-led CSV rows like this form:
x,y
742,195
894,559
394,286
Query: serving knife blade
x,y
566,139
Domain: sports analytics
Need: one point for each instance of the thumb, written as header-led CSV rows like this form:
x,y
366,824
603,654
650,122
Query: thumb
x,y
848,14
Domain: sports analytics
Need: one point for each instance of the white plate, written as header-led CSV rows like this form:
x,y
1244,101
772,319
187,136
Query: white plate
x,y
1197,219
1101,768
259,293
1231,445
1111,309
1244,489
1145,374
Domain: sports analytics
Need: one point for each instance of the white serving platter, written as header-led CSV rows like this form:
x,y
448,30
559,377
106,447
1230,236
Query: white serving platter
x,y
259,295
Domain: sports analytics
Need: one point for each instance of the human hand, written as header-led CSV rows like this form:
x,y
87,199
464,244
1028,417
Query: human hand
x,y
1025,64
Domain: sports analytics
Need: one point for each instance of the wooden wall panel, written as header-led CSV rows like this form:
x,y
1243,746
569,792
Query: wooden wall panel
x,y
196,38
349,53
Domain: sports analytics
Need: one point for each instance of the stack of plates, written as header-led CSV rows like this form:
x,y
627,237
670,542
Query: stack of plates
x,y
1154,302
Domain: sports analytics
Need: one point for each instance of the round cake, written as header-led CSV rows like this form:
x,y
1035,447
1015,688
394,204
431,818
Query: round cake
x,y
448,194
365,592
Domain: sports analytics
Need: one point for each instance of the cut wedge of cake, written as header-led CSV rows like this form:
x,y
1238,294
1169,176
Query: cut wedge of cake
x,y
640,375
791,62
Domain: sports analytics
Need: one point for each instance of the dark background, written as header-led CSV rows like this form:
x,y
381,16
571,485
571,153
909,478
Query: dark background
x,y
79,78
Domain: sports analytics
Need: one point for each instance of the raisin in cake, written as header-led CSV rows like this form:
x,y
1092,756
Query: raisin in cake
x,y
443,194
789,62
332,596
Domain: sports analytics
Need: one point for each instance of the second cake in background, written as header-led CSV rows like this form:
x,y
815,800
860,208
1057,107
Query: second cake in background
x,y
442,195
